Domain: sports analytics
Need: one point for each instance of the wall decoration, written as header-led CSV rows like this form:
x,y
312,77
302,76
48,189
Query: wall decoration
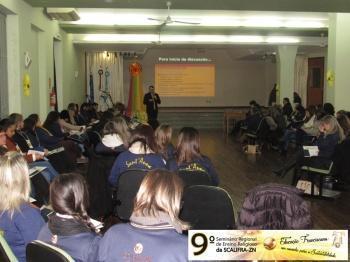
x,y
27,60
26,84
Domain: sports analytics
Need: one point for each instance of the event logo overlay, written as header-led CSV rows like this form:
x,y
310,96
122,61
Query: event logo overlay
x,y
268,245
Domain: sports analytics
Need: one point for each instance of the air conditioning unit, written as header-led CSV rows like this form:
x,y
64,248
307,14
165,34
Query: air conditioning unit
x,y
62,14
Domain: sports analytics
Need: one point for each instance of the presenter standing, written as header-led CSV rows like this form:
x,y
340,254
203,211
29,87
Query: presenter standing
x,y
151,100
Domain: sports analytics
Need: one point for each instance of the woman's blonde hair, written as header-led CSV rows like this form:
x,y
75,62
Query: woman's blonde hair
x,y
163,136
14,181
160,191
118,126
334,126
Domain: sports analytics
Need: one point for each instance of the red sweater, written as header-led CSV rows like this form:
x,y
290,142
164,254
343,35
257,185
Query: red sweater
x,y
12,146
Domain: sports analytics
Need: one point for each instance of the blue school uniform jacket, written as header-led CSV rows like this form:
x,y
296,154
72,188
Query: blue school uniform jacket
x,y
200,164
128,160
21,229
126,242
82,247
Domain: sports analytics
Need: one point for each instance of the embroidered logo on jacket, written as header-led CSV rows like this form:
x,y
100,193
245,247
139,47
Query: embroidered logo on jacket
x,y
138,161
138,248
193,167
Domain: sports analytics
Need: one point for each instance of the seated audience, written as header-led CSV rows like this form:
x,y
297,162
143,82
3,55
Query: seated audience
x,y
330,135
296,120
70,227
115,139
163,136
154,231
287,109
51,142
72,113
344,123
189,157
328,109
140,155
296,98
19,220
33,159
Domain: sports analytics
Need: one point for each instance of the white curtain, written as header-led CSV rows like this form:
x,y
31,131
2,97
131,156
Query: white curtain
x,y
300,77
111,65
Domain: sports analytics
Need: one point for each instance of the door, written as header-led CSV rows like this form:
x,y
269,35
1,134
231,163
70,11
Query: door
x,y
315,81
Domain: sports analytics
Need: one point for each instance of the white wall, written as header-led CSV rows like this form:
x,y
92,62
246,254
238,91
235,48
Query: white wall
x,y
237,82
28,29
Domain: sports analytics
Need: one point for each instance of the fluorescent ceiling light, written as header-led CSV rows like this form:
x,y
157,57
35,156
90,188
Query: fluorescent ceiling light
x,y
136,17
121,38
149,38
282,40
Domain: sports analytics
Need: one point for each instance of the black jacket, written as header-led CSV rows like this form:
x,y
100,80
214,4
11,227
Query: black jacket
x,y
151,105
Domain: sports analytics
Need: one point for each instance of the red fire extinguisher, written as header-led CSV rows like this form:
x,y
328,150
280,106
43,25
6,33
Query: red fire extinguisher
x,y
53,99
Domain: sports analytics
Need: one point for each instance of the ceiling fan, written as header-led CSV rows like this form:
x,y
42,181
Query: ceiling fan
x,y
168,19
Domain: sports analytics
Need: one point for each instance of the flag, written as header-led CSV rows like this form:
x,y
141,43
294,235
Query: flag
x,y
136,108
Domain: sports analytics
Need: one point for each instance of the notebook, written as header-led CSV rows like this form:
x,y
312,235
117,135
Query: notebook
x,y
310,151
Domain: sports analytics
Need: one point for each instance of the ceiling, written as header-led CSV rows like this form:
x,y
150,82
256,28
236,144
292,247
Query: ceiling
x,y
340,6
219,21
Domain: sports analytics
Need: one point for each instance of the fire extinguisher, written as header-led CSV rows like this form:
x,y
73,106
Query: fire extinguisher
x,y
53,99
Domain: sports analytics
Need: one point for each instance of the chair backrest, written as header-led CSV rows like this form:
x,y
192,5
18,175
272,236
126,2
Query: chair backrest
x,y
127,187
41,188
99,189
6,254
274,206
191,178
38,251
207,207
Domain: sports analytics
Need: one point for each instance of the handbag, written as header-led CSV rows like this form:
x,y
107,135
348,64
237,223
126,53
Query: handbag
x,y
305,186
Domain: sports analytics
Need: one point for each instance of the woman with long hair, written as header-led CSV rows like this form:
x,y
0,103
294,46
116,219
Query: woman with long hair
x,y
163,136
154,231
344,123
33,159
57,156
70,228
330,134
115,137
189,157
19,220
140,155
51,142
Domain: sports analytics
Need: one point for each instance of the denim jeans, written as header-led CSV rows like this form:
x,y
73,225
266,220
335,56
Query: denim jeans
x,y
49,173
288,136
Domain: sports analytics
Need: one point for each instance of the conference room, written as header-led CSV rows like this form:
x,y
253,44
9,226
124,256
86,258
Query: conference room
x,y
242,106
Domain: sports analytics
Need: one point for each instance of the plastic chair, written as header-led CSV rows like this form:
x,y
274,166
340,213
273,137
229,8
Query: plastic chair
x,y
127,187
191,178
207,207
38,251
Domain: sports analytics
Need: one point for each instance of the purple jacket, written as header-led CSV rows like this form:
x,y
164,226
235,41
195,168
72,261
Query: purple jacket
x,y
274,206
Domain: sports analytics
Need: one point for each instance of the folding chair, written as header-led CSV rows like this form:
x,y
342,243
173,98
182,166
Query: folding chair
x,y
322,176
127,187
191,178
207,207
38,251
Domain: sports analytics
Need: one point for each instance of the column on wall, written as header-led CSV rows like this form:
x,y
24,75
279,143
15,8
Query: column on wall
x,y
285,71
338,62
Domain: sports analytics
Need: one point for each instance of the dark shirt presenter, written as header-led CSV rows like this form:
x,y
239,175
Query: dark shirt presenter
x,y
151,100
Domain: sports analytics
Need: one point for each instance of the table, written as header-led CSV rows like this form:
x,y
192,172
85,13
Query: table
x,y
232,115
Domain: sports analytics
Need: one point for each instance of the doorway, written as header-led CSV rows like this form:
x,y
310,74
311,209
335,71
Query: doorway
x,y
315,81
